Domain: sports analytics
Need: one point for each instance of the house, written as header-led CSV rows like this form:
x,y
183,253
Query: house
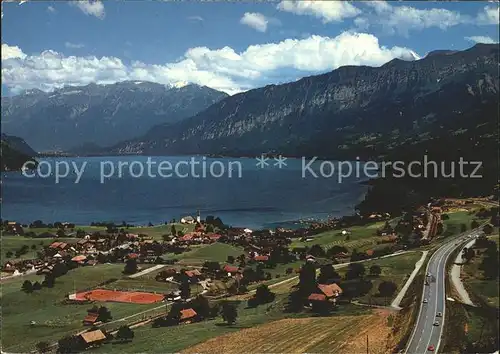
x,y
90,319
187,220
230,270
188,315
192,274
330,290
15,228
316,297
261,258
369,253
79,259
93,337
310,258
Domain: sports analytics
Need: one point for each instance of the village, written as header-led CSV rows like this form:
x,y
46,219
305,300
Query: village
x,y
162,267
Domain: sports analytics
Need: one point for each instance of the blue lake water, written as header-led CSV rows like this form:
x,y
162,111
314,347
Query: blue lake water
x,y
251,196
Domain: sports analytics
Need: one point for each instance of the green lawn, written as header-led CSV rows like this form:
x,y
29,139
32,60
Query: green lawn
x,y
159,230
361,238
396,269
452,226
53,318
217,252
485,289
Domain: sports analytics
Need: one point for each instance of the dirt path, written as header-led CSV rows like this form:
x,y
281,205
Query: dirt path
x,y
146,271
404,289
456,279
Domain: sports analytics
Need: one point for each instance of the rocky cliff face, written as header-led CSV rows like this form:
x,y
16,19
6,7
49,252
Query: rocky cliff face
x,y
350,111
99,114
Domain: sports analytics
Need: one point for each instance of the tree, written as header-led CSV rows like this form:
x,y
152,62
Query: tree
x,y
230,259
375,270
307,279
317,251
263,295
60,233
355,270
488,229
173,231
37,286
463,228
211,266
387,288
125,333
104,314
9,254
27,287
33,247
328,275
185,289
130,266
445,217
474,224
69,344
42,346
49,281
201,306
229,312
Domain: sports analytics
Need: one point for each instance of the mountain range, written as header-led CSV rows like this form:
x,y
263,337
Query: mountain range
x,y
352,111
83,117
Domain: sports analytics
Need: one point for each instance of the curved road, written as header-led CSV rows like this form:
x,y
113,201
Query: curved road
x,y
425,333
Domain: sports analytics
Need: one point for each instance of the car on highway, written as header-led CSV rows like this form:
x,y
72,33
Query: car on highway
x,y
439,314
425,301
436,323
431,348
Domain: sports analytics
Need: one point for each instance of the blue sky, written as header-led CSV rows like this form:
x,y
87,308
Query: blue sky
x,y
228,46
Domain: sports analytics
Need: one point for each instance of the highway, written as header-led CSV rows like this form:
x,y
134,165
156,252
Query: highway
x,y
425,333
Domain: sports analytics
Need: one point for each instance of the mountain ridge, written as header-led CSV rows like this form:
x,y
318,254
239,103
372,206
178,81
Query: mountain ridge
x,y
350,104
72,116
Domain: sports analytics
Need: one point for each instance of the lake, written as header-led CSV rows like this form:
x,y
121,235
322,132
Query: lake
x,y
139,190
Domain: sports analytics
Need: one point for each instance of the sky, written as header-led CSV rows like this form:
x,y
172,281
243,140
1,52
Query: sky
x,y
229,46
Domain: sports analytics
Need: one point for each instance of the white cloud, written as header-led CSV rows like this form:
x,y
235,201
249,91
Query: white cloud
x,y
222,69
195,18
488,16
51,9
403,19
12,52
328,11
481,39
74,45
255,20
90,7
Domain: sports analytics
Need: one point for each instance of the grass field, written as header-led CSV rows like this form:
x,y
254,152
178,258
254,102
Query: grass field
x,y
337,334
53,318
178,338
217,252
159,230
361,238
476,284
453,224
396,269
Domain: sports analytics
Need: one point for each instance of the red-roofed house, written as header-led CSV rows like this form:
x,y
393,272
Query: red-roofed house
x,y
188,315
316,297
90,319
330,290
261,258
231,270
